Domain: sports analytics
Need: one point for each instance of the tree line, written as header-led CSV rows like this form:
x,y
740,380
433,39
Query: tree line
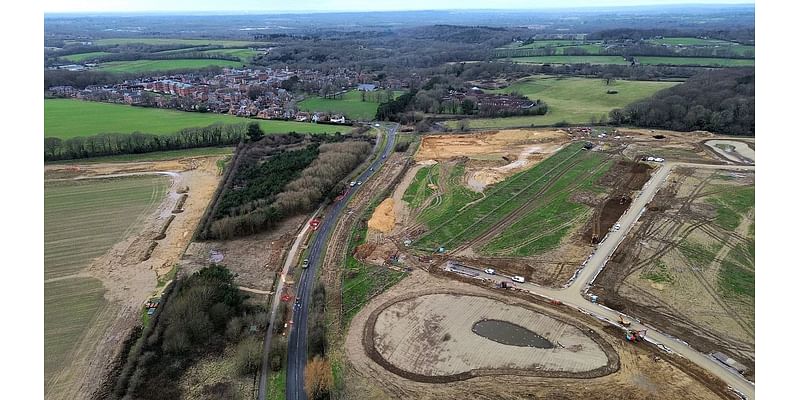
x,y
720,101
107,144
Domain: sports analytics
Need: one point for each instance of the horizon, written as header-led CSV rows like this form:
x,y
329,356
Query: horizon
x,y
360,6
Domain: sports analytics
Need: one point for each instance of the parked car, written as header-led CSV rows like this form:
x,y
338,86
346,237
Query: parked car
x,y
297,304
517,278
489,271
352,183
616,227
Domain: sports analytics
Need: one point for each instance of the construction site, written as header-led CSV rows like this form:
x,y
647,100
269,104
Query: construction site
x,y
688,266
590,360
544,200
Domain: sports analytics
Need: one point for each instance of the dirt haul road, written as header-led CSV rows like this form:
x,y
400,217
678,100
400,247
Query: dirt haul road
x,y
572,295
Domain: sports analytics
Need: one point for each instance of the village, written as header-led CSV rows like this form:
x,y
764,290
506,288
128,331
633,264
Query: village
x,y
256,93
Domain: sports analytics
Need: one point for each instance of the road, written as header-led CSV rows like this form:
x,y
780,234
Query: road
x,y
298,338
572,295
276,298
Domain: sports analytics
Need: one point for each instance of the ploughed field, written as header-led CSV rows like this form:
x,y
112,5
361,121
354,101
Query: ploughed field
x,y
83,220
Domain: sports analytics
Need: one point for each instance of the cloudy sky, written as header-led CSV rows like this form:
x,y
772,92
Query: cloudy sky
x,y
349,5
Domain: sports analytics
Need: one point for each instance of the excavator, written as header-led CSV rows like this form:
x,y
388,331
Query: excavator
x,y
623,321
633,335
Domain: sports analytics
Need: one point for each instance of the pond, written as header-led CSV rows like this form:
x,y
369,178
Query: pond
x,y
509,333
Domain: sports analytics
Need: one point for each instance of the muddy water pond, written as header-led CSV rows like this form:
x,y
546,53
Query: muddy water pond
x,y
510,334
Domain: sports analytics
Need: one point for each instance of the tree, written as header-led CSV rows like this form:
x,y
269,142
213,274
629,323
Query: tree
x,y
319,378
468,106
463,125
254,131
51,144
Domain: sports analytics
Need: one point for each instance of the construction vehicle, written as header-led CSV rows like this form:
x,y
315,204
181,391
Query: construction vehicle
x,y
596,228
633,335
623,322
555,302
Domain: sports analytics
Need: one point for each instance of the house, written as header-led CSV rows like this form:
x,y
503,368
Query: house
x,y
339,119
366,87
302,117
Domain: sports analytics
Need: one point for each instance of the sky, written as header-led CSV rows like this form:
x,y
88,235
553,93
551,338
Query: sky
x,y
58,6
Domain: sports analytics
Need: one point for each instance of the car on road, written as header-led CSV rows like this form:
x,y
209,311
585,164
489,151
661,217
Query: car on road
x,y
518,279
616,227
489,271
383,156
297,304
371,169
305,263
359,183
352,183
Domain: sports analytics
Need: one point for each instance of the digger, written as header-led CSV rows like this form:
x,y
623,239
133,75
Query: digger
x,y
623,321
633,335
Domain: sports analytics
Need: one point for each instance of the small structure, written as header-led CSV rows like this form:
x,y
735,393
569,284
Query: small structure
x,y
366,87
723,358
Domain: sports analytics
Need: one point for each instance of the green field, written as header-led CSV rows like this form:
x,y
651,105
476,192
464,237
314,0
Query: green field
x,y
732,204
574,100
645,60
154,156
463,215
190,42
65,118
245,55
419,190
164,65
349,104
690,41
81,57
82,220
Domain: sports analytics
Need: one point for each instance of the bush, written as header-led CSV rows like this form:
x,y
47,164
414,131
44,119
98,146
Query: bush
x,y
248,355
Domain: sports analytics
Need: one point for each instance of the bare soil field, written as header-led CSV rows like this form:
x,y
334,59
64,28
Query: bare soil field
x,y
688,265
494,154
640,371
432,336
256,259
130,269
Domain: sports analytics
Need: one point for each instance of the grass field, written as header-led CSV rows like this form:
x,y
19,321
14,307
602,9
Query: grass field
x,y
349,104
453,222
65,118
645,60
190,42
419,190
164,65
554,216
245,55
81,57
277,385
732,204
574,100
82,220
154,156
690,41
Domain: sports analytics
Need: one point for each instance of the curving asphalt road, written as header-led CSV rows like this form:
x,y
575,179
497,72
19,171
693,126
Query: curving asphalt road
x,y
572,295
298,335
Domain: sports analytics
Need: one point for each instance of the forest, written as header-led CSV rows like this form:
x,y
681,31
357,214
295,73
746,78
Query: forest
x,y
205,313
278,177
719,101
